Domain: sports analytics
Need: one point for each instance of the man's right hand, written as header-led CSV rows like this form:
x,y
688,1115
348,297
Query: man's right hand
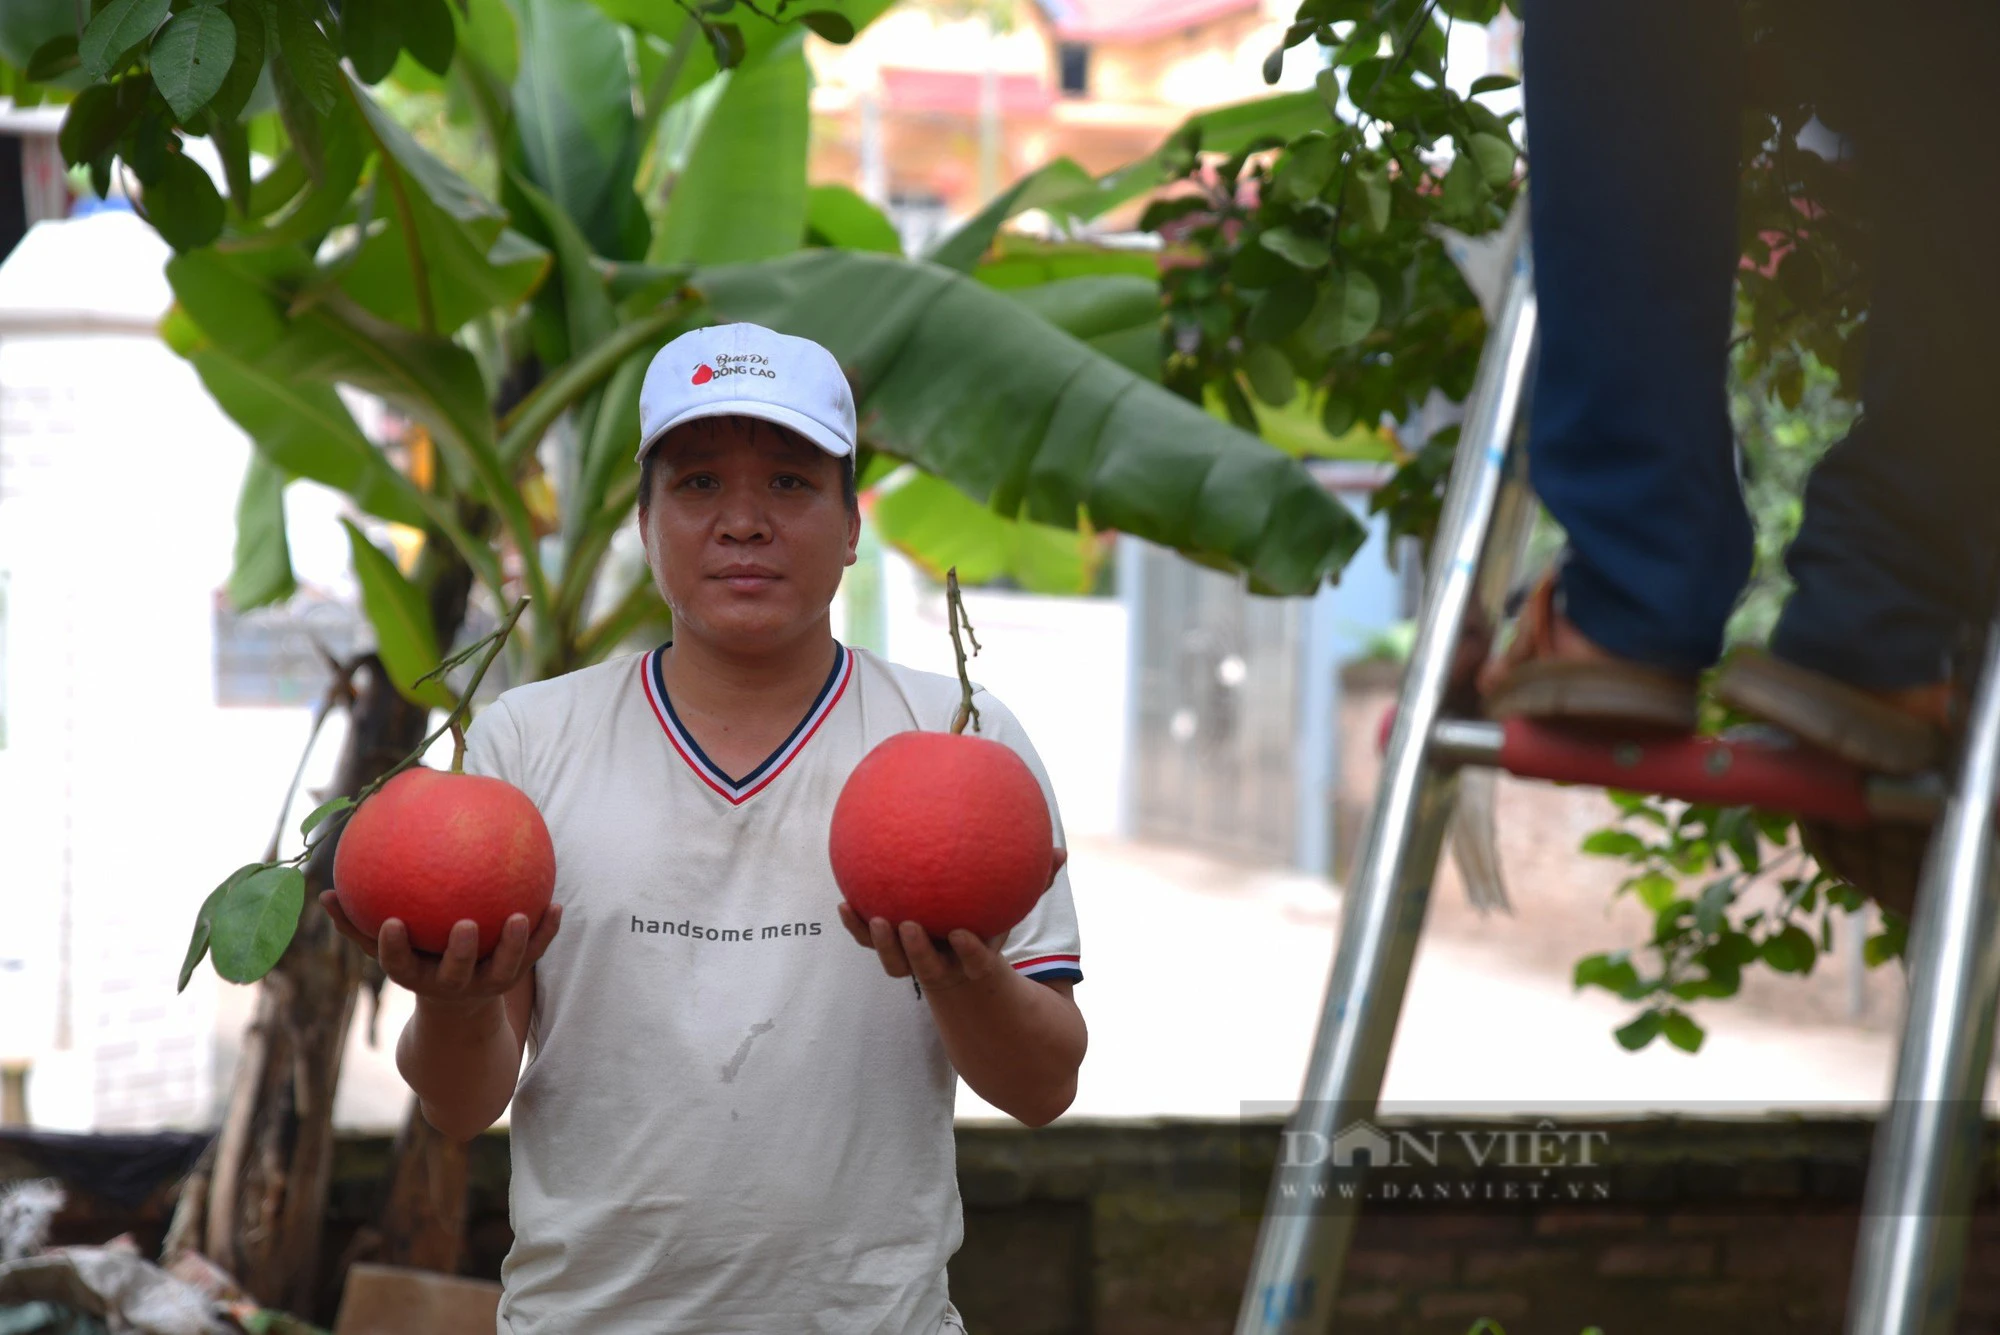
x,y
458,976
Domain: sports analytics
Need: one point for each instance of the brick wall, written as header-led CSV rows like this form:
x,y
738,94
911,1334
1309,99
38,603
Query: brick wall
x,y
1722,1227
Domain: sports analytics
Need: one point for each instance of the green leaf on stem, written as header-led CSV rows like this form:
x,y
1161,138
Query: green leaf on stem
x,y
246,66
1680,1030
115,29
321,812
1790,951
1640,1031
183,204
53,58
1369,200
1614,844
204,922
191,57
309,55
1494,157
429,34
262,572
255,920
1345,312
1296,247
1271,376
1493,83
371,32
404,635
835,27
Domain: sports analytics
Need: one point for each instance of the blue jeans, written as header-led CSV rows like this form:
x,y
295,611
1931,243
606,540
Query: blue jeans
x,y
1635,126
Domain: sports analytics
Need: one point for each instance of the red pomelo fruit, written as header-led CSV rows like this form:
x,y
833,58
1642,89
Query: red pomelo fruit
x,y
942,829
432,848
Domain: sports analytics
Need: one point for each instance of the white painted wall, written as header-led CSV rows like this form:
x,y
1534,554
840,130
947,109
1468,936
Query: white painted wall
x,y
1058,663
125,792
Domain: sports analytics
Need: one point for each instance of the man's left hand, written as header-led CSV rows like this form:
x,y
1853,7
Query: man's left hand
x,y
907,950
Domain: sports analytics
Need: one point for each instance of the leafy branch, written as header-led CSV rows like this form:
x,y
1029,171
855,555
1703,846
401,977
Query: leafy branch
x,y
247,922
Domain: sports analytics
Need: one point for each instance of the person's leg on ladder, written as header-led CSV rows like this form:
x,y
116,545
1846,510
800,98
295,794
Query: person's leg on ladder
x,y
1895,555
1634,121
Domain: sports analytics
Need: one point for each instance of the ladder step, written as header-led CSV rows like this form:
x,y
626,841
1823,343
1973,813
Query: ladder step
x,y
1758,768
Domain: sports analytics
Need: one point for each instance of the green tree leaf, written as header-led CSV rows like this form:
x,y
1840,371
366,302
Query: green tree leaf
x,y
1309,164
1790,950
183,204
830,24
255,921
262,572
1613,972
305,429
1640,1031
115,29
1295,247
742,195
1680,1030
977,390
246,66
309,55
1270,374
1494,157
837,216
1369,200
430,35
191,57
1464,188
404,636
325,810
1347,308
54,58
1493,83
1614,844
94,122
371,32
204,922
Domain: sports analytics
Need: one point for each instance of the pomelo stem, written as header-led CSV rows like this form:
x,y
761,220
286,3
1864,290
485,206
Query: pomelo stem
x,y
955,615
454,723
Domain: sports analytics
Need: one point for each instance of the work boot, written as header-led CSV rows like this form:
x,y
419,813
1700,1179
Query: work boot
x,y
1550,672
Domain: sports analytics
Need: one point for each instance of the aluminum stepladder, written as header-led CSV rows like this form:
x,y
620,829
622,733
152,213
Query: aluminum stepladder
x,y
1911,1246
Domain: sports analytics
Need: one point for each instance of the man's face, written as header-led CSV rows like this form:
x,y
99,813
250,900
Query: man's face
x,y
746,531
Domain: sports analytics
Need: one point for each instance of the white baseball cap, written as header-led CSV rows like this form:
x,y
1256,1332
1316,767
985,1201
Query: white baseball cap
x,y
746,370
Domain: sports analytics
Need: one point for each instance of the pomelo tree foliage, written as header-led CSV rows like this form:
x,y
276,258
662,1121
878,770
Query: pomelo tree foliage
x,y
1305,269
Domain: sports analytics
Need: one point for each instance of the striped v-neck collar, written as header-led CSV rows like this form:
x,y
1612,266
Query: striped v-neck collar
x,y
739,791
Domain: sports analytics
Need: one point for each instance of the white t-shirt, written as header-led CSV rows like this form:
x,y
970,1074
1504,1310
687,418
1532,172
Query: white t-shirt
x,y
731,1121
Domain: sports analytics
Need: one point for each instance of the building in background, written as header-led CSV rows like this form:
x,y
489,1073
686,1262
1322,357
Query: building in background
x,y
936,105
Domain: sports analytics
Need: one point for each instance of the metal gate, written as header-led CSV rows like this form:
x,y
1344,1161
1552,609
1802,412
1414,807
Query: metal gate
x,y
1217,713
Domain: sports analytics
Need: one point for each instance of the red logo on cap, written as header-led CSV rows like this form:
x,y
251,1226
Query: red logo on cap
x,y
702,374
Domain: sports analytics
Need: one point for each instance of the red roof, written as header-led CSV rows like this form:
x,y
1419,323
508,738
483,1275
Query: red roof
x,y
1135,20
955,93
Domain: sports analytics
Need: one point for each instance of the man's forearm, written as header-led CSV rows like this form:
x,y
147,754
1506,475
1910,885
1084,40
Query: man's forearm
x,y
462,1060
1017,1042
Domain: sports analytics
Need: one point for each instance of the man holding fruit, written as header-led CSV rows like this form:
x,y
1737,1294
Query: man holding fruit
x,y
730,1120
